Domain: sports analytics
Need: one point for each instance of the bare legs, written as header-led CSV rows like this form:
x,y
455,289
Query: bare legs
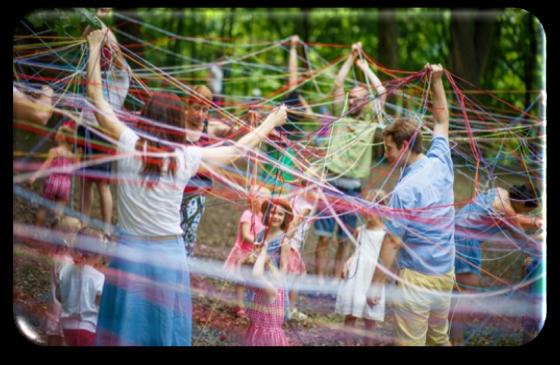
x,y
322,255
106,202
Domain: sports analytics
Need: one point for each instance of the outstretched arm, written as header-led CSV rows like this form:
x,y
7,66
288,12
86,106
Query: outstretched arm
x,y
228,154
338,92
103,111
439,102
374,80
44,166
36,111
502,204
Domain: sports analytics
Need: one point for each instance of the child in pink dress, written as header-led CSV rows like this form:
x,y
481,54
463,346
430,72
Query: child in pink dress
x,y
57,185
266,311
250,224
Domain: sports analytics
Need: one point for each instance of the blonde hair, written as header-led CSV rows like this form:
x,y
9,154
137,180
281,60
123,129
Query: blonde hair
x,y
68,226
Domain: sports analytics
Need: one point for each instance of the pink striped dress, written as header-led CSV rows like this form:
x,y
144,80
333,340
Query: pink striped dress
x,y
58,185
266,320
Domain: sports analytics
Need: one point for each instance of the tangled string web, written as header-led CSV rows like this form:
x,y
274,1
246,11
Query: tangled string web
x,y
491,146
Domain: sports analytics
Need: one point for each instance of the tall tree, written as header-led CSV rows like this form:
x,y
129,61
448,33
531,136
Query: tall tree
x,y
471,38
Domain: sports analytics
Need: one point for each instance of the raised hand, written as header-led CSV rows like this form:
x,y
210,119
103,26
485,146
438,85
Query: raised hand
x,y
356,48
279,115
294,40
435,69
96,37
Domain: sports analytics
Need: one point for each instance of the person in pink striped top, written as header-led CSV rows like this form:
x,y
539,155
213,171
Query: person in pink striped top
x,y
266,311
57,185
250,224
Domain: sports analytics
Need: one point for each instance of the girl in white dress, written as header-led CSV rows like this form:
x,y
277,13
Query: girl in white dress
x,y
352,299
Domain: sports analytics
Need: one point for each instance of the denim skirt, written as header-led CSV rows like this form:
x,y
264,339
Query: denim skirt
x,y
146,299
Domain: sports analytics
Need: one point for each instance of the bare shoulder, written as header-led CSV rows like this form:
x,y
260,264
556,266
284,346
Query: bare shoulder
x,y
501,200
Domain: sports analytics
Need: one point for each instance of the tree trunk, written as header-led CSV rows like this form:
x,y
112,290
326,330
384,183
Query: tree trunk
x,y
530,56
305,33
388,53
472,38
388,38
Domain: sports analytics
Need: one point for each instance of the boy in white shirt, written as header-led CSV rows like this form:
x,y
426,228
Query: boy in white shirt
x,y
79,289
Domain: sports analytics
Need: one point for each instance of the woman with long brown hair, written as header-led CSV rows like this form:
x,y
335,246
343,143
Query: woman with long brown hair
x,y
146,298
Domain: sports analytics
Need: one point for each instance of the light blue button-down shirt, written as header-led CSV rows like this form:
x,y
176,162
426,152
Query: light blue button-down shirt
x,y
422,213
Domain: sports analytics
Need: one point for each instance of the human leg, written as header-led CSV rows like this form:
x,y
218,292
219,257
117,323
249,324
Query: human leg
x,y
321,256
86,197
411,310
369,326
349,326
106,200
349,221
438,323
342,253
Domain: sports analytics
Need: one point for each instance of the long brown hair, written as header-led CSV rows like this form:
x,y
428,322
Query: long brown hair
x,y
164,108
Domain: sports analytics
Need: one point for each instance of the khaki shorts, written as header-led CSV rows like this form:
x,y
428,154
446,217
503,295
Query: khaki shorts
x,y
421,314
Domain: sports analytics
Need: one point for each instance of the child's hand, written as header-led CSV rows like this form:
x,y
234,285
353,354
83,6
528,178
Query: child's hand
x,y
374,294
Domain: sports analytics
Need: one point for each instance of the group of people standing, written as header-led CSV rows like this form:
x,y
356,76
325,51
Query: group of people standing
x,y
161,185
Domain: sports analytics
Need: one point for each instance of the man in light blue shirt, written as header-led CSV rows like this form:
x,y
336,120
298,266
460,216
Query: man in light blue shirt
x,y
420,225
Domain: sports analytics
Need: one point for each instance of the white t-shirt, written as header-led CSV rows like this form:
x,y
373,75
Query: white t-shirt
x,y
155,211
299,204
79,287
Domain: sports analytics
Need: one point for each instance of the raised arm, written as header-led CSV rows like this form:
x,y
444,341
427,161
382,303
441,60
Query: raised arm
x,y
103,110
338,92
440,111
292,65
228,154
374,80
111,40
